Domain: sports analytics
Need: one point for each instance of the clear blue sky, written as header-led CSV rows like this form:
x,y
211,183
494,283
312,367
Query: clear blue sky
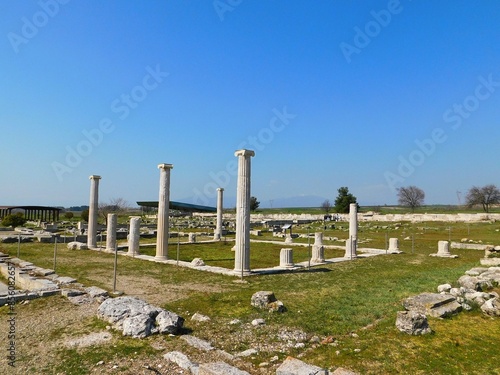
x,y
327,93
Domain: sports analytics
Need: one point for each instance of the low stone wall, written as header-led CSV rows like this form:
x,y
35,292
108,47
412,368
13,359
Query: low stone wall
x,y
416,218
468,246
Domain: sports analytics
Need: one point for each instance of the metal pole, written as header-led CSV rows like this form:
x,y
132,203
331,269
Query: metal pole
x,y
115,267
55,253
449,234
308,250
386,241
18,244
178,246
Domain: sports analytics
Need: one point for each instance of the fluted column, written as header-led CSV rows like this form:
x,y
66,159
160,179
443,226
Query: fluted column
x,y
218,228
93,207
163,212
111,233
286,258
352,242
242,246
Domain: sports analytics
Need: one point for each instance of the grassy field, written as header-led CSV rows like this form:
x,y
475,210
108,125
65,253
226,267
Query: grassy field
x,y
353,302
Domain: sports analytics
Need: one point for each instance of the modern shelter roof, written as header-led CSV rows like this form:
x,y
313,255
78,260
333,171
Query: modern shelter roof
x,y
186,207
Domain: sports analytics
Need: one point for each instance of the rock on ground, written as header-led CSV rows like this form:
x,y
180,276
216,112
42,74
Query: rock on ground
x,y
412,323
266,300
491,307
220,368
433,304
137,318
181,360
293,366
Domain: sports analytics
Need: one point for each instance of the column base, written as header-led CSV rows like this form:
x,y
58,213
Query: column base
x,y
237,272
161,257
350,256
318,260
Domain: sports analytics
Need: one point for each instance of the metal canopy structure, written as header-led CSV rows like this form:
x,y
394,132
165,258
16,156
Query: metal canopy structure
x,y
42,213
185,207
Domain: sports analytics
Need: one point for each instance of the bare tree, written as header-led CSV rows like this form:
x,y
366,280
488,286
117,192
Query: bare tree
x,y
485,196
326,206
411,196
114,206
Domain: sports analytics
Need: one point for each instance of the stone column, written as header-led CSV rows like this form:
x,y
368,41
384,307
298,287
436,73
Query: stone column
x,y
242,243
163,212
318,251
93,207
443,248
134,235
218,228
286,258
352,241
393,244
111,233
192,237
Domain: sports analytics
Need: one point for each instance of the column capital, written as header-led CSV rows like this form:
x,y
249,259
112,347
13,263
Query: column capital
x,y
220,189
165,166
94,177
244,152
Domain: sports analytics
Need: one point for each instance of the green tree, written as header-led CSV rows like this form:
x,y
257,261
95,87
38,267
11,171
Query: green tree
x,y
254,203
85,215
343,200
68,215
14,220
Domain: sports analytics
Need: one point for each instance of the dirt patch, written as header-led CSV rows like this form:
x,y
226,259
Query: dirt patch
x,y
91,339
153,291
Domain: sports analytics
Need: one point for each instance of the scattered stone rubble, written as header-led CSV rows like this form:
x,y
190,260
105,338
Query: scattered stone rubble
x,y
137,318
34,282
473,291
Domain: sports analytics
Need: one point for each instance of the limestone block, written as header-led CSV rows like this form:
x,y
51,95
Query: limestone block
x,y
219,368
197,343
491,307
262,299
433,304
444,288
181,360
94,292
412,323
138,326
197,262
293,366
169,322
